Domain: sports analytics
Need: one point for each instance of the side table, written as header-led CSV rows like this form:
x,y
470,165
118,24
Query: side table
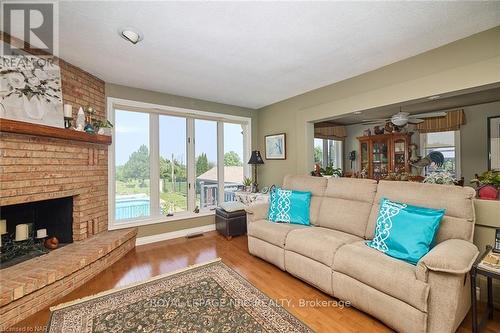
x,y
490,274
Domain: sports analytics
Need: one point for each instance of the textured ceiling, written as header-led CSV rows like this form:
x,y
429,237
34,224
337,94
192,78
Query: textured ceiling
x,y
256,53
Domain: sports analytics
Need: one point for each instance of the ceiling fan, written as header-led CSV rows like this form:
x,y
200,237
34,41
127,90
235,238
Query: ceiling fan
x,y
401,118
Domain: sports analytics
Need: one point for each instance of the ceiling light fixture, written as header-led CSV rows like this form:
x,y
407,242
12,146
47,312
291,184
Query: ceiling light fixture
x,y
132,35
434,97
357,112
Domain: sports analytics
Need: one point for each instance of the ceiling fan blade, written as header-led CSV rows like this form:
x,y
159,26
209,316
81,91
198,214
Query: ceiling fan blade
x,y
374,120
415,121
429,115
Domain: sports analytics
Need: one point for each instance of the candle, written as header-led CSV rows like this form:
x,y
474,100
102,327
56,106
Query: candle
x,y
68,111
3,227
21,232
41,233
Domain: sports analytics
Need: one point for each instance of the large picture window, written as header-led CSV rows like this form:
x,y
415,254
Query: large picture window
x,y
166,162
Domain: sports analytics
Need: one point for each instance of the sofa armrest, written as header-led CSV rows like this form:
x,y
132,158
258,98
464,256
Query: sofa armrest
x,y
257,211
453,256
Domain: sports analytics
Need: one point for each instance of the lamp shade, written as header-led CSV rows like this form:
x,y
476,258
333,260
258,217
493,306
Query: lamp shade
x,y
256,158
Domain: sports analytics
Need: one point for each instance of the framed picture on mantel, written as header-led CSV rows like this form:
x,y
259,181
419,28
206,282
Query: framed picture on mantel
x,y
276,147
494,143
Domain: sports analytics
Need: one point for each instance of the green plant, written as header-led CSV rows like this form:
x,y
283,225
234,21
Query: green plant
x,y
488,178
443,177
103,124
331,171
247,181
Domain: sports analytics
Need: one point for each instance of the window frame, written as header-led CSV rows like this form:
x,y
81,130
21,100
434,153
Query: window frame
x,y
456,146
154,111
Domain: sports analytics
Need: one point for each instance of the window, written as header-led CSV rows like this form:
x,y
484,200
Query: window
x,y
165,161
207,173
235,166
132,179
448,143
328,153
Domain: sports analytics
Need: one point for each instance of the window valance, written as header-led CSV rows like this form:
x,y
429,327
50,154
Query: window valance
x,y
451,122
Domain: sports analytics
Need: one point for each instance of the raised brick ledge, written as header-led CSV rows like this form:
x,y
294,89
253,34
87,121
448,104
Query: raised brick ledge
x,y
32,275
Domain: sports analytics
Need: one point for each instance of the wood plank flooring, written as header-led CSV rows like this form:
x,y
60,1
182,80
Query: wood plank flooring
x,y
150,260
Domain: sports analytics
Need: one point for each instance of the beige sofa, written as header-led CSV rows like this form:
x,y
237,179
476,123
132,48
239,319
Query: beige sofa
x,y
433,296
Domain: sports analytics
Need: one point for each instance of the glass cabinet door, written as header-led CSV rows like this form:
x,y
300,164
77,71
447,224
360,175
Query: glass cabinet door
x,y
380,160
399,158
364,158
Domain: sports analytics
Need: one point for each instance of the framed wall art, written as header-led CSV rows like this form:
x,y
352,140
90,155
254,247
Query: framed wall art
x,y
275,146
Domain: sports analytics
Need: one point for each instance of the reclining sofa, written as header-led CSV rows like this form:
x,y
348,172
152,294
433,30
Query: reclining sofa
x,y
331,254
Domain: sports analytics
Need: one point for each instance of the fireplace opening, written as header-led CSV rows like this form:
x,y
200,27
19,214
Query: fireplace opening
x,y
21,241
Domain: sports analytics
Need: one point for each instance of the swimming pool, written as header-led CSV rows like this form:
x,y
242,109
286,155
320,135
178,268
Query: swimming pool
x,y
131,206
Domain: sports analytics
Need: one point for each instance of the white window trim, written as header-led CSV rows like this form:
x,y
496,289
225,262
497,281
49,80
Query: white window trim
x,y
458,160
154,110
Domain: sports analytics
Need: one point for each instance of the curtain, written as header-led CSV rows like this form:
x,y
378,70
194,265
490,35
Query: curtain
x,y
451,122
329,131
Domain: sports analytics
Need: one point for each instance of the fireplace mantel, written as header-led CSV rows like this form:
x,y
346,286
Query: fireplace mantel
x,y
20,127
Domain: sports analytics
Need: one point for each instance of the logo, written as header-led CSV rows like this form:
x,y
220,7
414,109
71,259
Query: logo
x,y
32,27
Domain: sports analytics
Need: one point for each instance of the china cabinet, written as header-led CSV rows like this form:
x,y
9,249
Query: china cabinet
x,y
383,154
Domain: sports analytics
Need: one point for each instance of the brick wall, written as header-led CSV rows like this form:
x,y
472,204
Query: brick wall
x,y
80,88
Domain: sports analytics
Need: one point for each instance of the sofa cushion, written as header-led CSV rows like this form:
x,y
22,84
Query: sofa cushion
x,y
271,232
391,276
346,205
318,243
289,206
315,185
458,222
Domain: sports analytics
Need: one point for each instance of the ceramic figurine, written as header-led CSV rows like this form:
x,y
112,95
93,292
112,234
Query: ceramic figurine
x,y
80,120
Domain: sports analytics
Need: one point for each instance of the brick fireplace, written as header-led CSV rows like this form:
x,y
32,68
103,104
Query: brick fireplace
x,y
43,164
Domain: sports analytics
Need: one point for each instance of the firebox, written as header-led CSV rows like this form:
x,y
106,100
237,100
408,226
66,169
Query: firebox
x,y
55,215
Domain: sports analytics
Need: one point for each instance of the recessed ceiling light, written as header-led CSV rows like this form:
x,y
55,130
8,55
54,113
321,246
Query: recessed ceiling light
x,y
131,34
357,112
434,97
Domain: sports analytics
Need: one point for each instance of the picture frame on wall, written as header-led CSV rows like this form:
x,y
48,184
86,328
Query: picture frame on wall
x,y
275,146
494,143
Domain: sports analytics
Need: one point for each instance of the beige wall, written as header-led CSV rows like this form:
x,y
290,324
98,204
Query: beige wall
x,y
146,96
474,139
467,63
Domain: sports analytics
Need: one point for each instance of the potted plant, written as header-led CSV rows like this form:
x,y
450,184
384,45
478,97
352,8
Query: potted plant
x,y
247,182
488,185
443,178
103,127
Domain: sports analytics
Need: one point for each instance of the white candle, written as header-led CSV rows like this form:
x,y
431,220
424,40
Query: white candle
x,y
68,111
3,227
41,233
21,232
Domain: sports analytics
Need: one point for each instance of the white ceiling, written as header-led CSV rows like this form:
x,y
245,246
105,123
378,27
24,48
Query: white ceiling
x,y
253,54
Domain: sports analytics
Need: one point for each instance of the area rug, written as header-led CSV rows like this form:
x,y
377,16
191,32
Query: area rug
x,y
209,297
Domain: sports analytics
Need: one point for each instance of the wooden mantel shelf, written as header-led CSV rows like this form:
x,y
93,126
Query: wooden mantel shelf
x,y
21,127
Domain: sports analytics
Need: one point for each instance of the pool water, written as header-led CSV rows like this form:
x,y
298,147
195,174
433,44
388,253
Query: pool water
x,y
129,207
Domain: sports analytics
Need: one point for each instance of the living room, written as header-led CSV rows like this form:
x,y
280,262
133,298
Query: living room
x,y
226,166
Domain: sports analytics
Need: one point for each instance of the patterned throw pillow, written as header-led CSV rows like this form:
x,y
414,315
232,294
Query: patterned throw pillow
x,y
289,206
405,232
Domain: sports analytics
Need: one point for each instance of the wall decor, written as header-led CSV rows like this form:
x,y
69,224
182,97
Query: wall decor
x,y
275,146
30,90
494,143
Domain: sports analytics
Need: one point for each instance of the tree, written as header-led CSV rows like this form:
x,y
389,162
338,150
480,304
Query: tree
x,y
318,155
202,164
137,166
232,158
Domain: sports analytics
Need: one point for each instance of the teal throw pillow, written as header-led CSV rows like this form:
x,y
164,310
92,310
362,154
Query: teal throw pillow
x,y
404,231
289,206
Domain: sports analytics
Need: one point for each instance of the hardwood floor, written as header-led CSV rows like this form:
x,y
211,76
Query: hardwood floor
x,y
149,260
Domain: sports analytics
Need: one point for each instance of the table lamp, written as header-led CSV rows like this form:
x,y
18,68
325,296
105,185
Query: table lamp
x,y
255,160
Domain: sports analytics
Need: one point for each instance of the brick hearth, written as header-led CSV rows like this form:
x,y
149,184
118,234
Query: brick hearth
x,y
32,285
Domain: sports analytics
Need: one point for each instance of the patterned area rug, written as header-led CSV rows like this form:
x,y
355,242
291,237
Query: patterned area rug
x,y
209,297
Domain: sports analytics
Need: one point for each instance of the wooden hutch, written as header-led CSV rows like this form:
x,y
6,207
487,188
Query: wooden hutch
x,y
384,153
